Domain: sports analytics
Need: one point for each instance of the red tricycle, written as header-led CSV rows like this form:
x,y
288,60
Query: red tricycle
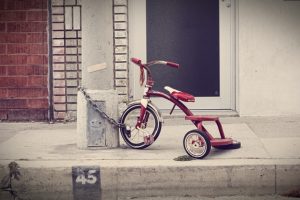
x,y
142,119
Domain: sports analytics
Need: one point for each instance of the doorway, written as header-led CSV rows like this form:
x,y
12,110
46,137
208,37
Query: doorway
x,y
196,34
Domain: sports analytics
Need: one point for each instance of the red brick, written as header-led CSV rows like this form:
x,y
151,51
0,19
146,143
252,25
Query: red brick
x,y
27,92
16,4
37,16
35,59
12,38
45,57
38,48
36,37
17,70
2,27
2,4
13,103
27,70
12,16
39,70
37,103
3,114
3,93
2,49
37,81
11,82
13,59
27,49
26,4
17,48
27,114
3,71
26,26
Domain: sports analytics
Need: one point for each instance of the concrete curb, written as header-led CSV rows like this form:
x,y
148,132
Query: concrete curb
x,y
53,179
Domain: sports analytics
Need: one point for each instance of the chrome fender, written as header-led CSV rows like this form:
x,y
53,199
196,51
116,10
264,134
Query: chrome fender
x,y
152,105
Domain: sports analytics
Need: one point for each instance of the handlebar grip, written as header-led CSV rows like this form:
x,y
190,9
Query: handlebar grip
x,y
171,64
136,61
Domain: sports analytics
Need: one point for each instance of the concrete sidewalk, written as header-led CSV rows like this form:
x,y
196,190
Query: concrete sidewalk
x,y
267,163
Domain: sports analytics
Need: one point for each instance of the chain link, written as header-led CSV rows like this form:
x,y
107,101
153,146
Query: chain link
x,y
98,109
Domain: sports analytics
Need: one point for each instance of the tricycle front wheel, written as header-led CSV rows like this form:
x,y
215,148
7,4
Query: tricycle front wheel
x,y
140,138
196,144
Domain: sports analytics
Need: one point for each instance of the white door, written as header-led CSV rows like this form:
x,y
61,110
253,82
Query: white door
x,y
196,34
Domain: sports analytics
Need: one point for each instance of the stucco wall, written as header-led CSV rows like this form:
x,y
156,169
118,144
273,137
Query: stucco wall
x,y
97,43
268,57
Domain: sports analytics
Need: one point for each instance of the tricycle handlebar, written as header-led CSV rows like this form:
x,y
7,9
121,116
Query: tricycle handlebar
x,y
156,62
147,65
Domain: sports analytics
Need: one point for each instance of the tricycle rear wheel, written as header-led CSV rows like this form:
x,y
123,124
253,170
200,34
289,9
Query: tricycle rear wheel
x,y
196,144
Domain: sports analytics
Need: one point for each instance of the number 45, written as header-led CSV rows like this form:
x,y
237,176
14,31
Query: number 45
x,y
91,178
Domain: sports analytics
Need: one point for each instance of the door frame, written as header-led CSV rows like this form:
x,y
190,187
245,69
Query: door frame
x,y
137,15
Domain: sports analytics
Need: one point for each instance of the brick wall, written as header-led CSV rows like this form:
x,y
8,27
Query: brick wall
x,y
23,60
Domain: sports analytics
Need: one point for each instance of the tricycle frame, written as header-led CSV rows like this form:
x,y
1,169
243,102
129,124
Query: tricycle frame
x,y
195,119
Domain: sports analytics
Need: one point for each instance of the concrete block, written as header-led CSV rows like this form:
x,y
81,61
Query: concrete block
x,y
121,49
58,42
246,179
58,26
110,98
121,66
70,2
120,25
57,18
120,9
76,18
122,90
121,17
68,18
57,34
57,10
122,98
72,99
192,180
121,82
121,58
71,67
72,83
120,34
72,91
287,178
57,3
121,41
71,34
121,74
120,2
71,42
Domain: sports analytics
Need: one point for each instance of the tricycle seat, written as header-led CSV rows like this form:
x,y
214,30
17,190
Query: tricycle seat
x,y
183,96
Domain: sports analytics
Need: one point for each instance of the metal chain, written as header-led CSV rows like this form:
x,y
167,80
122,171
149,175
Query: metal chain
x,y
98,109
